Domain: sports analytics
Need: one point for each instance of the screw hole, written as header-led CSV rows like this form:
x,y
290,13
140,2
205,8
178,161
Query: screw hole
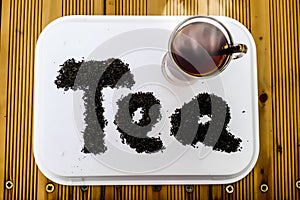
x,y
9,185
229,189
189,188
264,187
84,188
50,188
156,188
298,184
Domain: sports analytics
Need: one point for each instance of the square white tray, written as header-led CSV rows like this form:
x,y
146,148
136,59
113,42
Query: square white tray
x,y
141,41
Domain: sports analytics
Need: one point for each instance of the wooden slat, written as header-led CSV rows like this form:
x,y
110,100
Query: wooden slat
x,y
213,7
156,7
4,55
110,7
18,52
285,74
259,18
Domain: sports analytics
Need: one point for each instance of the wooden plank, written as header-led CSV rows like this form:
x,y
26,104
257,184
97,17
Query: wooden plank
x,y
263,170
51,11
4,101
36,29
109,192
186,7
135,7
14,81
156,7
285,67
216,191
110,8
214,7
18,128
23,97
98,7
201,7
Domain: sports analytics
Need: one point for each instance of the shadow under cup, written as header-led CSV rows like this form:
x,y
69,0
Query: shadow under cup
x,y
199,47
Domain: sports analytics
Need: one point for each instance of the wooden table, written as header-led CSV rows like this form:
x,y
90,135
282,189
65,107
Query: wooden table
x,y
275,26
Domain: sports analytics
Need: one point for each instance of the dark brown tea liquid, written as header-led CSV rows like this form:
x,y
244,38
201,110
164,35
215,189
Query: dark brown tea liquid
x,y
195,48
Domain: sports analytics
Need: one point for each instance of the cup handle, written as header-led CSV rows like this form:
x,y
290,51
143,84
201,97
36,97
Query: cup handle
x,y
237,51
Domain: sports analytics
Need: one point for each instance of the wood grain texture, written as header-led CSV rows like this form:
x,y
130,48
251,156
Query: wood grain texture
x,y
285,79
275,26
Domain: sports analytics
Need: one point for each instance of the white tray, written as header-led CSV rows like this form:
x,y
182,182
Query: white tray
x,y
141,42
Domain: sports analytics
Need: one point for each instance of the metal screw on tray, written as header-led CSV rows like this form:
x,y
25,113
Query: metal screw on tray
x,y
156,188
298,184
9,185
50,188
84,188
229,189
189,188
264,187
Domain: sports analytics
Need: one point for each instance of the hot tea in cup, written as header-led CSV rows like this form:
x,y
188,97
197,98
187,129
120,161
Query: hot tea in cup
x,y
200,47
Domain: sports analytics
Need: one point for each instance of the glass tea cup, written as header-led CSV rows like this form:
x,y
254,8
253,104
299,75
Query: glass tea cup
x,y
199,46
